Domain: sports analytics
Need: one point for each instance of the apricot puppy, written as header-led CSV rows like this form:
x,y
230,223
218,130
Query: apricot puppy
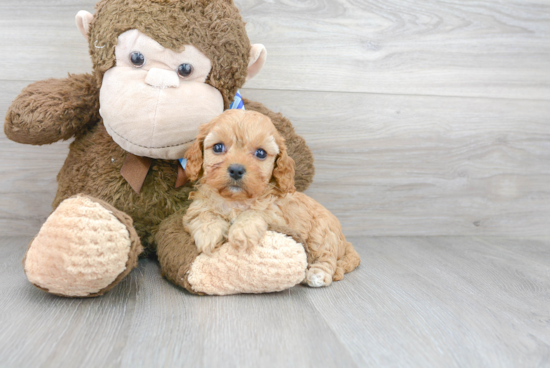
x,y
247,182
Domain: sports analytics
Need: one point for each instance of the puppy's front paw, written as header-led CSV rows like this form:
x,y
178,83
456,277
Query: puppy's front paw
x,y
244,235
316,277
207,242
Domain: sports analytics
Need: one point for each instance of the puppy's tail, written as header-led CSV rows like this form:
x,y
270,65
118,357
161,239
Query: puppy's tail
x,y
347,263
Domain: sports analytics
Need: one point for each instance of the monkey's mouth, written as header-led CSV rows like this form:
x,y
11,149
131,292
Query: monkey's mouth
x,y
120,136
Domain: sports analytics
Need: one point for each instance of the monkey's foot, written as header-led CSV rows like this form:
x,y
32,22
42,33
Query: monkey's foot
x,y
276,264
83,249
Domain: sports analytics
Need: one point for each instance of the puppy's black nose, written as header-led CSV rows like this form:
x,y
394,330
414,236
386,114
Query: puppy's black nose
x,y
236,171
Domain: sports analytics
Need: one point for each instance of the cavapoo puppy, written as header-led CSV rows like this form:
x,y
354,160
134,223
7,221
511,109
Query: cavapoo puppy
x,y
247,183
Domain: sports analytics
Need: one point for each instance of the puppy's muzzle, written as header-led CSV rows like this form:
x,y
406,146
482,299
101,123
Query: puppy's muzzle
x,y
236,171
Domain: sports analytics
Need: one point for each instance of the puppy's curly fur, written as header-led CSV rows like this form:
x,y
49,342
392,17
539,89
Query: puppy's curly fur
x,y
247,185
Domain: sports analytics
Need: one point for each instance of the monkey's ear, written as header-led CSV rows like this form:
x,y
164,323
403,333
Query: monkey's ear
x,y
258,55
83,21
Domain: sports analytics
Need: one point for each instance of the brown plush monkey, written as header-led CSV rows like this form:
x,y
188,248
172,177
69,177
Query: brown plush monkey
x,y
161,68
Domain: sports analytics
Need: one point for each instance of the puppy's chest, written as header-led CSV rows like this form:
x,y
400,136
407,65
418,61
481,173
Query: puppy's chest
x,y
272,213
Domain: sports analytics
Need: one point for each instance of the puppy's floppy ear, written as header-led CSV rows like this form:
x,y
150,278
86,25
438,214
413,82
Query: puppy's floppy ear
x,y
193,155
284,169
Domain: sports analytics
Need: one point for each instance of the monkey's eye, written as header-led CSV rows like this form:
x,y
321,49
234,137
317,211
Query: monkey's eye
x,y
261,154
218,148
185,70
137,59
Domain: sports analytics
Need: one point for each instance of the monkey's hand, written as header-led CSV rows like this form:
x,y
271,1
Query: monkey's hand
x,y
247,230
53,109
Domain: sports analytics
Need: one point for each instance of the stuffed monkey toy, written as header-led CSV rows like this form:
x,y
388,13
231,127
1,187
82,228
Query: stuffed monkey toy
x,y
161,68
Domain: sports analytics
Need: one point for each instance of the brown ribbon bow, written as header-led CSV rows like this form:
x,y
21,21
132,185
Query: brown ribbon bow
x,y
135,169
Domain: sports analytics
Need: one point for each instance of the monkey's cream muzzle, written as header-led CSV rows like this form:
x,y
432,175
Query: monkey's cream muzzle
x,y
150,111
151,121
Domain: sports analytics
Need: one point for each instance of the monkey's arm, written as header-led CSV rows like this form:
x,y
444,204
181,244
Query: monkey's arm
x,y
229,270
296,145
53,109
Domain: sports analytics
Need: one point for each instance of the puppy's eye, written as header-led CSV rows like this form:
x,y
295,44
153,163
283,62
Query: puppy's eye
x,y
218,148
185,70
261,154
137,59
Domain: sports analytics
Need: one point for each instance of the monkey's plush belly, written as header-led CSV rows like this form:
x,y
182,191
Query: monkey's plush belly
x,y
93,168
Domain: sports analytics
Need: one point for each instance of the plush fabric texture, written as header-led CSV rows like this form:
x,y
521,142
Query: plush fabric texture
x,y
151,111
276,264
52,110
152,133
258,57
215,27
176,251
93,168
177,254
83,249
57,109
83,20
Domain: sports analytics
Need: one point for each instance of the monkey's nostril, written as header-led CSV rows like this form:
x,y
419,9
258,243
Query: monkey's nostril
x,y
236,171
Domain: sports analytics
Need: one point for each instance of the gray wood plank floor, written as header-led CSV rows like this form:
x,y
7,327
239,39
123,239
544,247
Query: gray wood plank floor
x,y
413,302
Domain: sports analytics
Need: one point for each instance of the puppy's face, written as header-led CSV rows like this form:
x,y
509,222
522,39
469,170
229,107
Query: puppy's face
x,y
243,156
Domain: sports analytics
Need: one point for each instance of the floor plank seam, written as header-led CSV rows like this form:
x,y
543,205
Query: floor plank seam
x,y
355,92
396,94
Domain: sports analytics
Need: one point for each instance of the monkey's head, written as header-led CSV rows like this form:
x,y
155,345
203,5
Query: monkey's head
x,y
165,67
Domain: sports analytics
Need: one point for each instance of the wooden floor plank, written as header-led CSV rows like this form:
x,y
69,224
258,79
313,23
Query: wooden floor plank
x,y
42,330
147,321
476,48
442,302
273,330
413,302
